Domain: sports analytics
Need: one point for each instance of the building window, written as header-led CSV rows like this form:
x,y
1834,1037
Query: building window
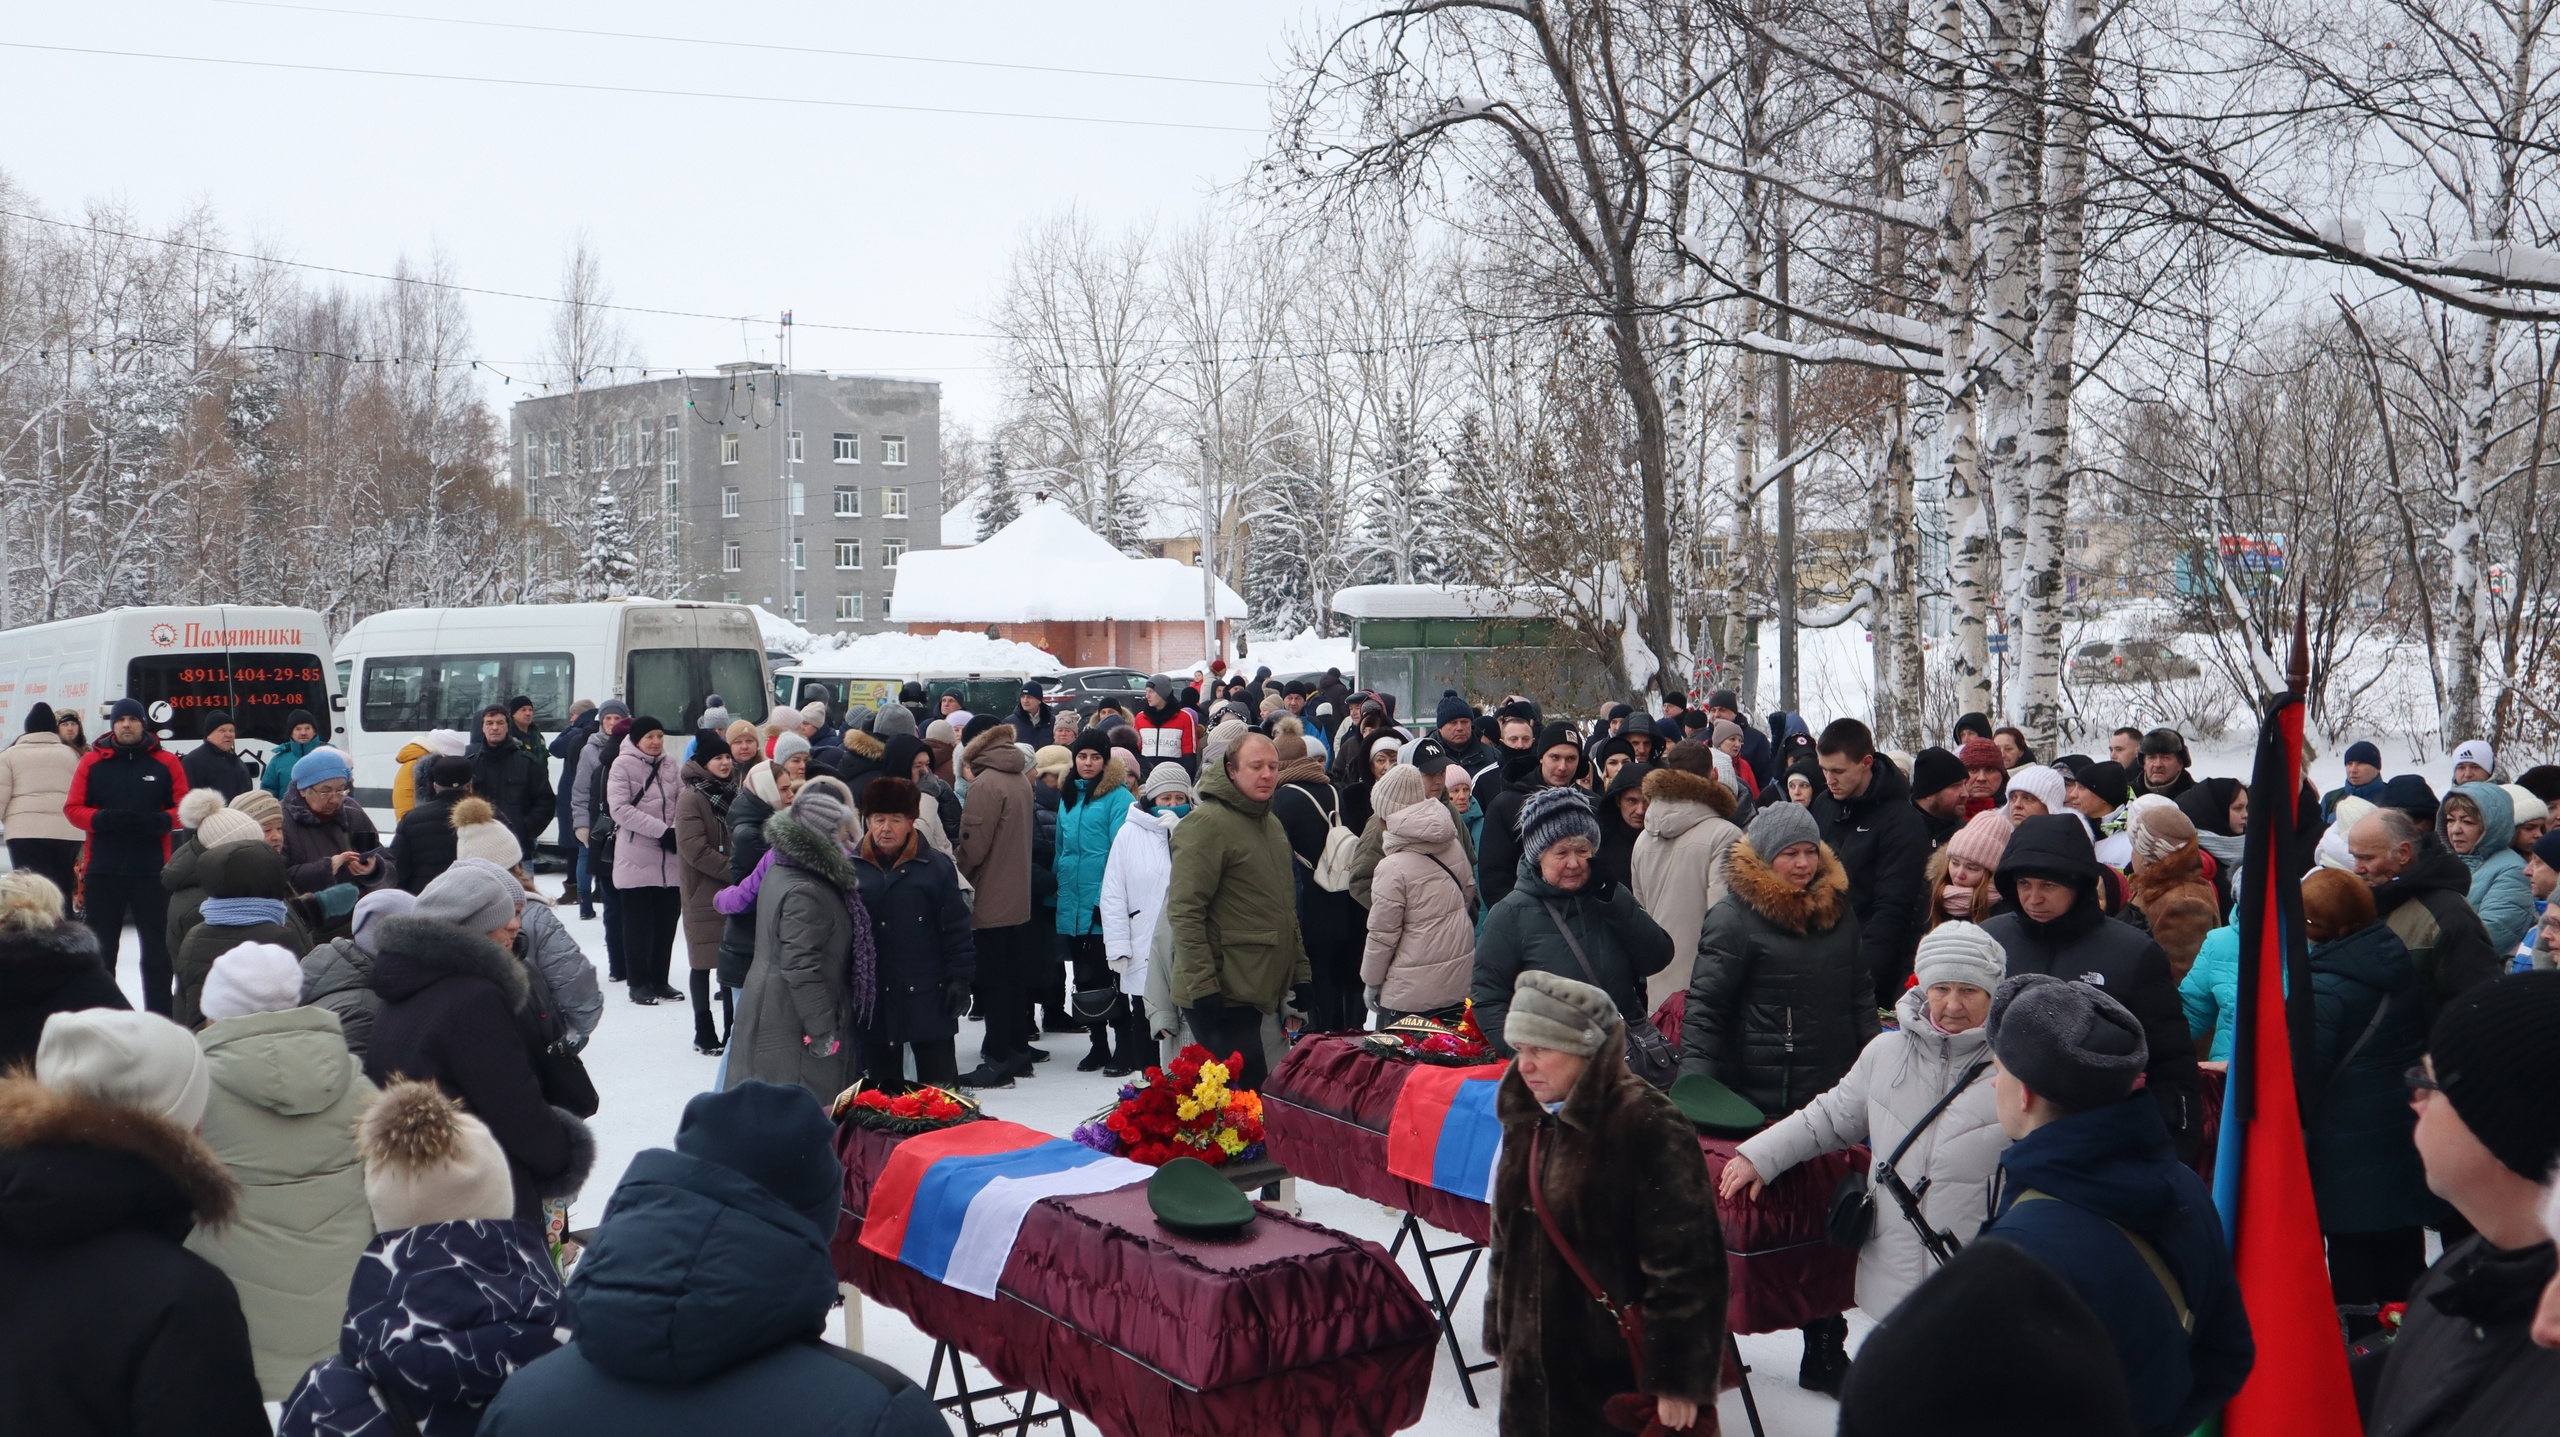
x,y
848,502
729,502
551,453
667,444
884,608
596,442
799,607
796,454
729,556
644,444
893,449
622,444
848,449
799,498
728,448
848,553
849,608
893,503
799,553
667,498
890,549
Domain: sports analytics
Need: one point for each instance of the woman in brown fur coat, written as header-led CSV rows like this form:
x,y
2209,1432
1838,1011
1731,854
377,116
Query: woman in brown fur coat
x,y
1622,1178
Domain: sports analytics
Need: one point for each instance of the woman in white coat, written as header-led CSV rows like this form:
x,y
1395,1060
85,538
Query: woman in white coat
x,y
1898,1078
1134,879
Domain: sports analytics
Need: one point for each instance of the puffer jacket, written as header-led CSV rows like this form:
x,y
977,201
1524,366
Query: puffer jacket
x,y
2500,892
1624,946
1085,833
799,987
47,971
1678,867
1233,901
439,1317
35,781
758,799
185,886
1779,1006
310,842
2369,1027
550,950
1421,952
2429,906
282,1117
642,793
697,1310
338,976
234,870
702,845
1898,1078
997,820
1883,845
2465,1363
920,939
278,777
1134,882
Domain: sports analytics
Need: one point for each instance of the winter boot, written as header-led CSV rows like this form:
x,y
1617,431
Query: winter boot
x,y
1826,1356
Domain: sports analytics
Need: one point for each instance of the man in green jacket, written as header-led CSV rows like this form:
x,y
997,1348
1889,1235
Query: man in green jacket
x,y
1233,907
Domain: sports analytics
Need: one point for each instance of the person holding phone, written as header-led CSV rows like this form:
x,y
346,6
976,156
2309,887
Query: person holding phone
x,y
328,838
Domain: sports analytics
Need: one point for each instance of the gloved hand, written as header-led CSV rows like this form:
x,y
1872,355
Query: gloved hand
x,y
667,840
955,997
826,1047
1374,995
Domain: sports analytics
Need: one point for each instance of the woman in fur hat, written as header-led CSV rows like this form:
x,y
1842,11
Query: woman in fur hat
x,y
923,956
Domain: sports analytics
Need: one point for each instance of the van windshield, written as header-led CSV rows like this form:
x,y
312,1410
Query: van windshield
x,y
258,690
669,685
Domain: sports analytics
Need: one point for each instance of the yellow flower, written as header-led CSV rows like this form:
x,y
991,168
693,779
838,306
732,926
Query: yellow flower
x,y
1229,1142
1214,1073
1186,1110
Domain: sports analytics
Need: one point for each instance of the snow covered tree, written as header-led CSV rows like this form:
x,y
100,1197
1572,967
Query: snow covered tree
x,y
610,563
998,503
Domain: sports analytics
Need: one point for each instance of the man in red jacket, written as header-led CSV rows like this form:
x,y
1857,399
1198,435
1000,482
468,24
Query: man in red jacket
x,y
125,797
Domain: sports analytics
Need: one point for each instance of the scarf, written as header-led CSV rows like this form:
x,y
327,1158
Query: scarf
x,y
1956,902
719,790
244,912
865,968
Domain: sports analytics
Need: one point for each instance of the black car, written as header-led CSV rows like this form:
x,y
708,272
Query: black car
x,y
1083,688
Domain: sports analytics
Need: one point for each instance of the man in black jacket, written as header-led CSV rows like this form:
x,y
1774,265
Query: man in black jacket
x,y
2049,875
2423,890
1864,810
124,795
1556,759
1456,719
512,773
216,763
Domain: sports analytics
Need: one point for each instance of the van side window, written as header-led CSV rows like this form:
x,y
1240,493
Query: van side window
x,y
412,695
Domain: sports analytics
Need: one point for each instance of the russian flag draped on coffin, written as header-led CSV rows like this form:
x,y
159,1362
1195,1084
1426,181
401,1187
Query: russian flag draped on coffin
x,y
1444,1134
950,1203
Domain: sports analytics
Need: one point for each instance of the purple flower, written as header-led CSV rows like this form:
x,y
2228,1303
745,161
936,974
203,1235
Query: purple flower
x,y
1097,1137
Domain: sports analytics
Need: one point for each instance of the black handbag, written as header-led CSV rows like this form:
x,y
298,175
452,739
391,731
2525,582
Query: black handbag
x,y
561,1072
1649,1054
1851,1218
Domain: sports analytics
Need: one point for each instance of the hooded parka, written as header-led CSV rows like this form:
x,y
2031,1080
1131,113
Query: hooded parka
x,y
1421,950
2500,892
1233,901
798,987
1779,1006
921,940
1678,871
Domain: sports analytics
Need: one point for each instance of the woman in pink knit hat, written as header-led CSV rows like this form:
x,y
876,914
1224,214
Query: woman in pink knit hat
x,y
1960,874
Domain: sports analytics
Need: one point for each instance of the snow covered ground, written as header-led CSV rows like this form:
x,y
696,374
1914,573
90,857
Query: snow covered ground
x,y
643,1063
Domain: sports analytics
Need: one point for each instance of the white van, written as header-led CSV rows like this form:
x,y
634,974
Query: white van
x,y
257,664
410,670
843,689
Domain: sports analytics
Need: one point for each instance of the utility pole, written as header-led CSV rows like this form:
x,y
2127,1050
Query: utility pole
x,y
1208,562
790,476
1784,431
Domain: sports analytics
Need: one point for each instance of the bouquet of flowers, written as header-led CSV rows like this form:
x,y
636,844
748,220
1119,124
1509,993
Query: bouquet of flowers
x,y
918,1110
1427,1040
1185,1111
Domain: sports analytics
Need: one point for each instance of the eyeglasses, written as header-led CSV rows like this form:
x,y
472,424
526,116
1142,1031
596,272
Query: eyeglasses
x,y
329,790
2417,1081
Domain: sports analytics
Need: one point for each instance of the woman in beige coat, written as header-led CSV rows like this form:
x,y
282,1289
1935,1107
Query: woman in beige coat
x,y
35,778
1421,952
1678,869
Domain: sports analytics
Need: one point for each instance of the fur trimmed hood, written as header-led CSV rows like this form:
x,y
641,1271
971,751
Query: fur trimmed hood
x,y
1818,905
410,953
1673,784
863,745
47,951
54,1201
807,848
995,749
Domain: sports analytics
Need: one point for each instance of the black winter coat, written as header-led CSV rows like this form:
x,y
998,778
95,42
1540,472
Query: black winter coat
x,y
109,1327
516,779
1884,846
2085,943
2465,1364
126,799
2429,906
920,939
451,1015
1325,918
44,972
423,844
747,845
1622,942
1778,1003
2370,1026
568,746
1498,849
210,767
310,842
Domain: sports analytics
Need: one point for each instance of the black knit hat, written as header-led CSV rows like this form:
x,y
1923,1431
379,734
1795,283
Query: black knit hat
x,y
1992,1345
978,724
40,719
641,728
2106,778
2496,1062
1091,740
1934,771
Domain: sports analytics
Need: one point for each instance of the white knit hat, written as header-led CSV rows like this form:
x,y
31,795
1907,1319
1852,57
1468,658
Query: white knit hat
x,y
426,1160
2045,783
252,978
477,833
1959,952
199,805
228,825
2529,805
2476,751
446,742
138,1060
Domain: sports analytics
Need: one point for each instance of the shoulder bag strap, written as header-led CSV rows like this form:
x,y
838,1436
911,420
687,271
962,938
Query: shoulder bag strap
x,y
1630,1318
2143,1249
1464,893
2380,1011
1931,1116
1555,915
402,1424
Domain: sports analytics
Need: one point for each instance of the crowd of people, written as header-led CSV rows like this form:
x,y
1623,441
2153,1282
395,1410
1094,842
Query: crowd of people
x,y
327,1165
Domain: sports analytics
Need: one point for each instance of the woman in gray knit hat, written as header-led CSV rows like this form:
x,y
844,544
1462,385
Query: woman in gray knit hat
x,y
1562,917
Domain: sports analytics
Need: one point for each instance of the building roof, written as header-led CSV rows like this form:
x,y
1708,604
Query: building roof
x,y
1046,567
1439,601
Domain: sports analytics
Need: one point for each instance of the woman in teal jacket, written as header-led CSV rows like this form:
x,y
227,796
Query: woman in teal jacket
x,y
2478,822
1091,806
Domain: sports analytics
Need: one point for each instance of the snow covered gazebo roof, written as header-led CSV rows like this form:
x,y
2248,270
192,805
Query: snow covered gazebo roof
x,y
1440,601
1045,567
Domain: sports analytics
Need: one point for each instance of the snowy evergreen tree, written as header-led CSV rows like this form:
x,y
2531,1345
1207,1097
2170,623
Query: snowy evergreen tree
x,y
610,563
999,504
1281,540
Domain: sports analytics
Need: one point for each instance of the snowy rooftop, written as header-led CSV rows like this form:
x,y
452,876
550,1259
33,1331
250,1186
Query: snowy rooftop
x,y
954,651
960,523
1046,567
1437,601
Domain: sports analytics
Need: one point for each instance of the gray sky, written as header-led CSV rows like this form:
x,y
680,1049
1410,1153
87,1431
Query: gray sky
x,y
724,206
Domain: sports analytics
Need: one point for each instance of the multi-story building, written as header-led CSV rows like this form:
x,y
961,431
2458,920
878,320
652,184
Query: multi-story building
x,y
796,490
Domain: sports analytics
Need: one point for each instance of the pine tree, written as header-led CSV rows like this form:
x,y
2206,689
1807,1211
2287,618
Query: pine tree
x,y
610,563
1001,504
1280,542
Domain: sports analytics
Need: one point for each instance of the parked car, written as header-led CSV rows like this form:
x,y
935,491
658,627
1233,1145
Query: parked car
x,y
2130,661
1083,688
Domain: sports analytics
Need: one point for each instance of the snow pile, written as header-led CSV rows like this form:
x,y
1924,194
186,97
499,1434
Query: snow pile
x,y
1441,601
1309,652
1045,567
954,651
960,524
779,632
